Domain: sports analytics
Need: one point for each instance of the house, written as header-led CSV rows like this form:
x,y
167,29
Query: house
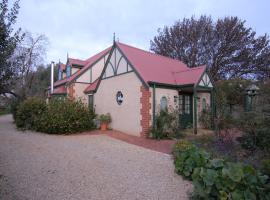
x,y
133,85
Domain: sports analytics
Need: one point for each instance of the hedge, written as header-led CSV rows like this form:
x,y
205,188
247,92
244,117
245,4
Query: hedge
x,y
216,178
56,117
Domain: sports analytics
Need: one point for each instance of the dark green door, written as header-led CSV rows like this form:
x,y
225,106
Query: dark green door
x,y
186,110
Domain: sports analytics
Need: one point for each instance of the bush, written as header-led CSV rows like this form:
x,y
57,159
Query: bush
x,y
205,118
188,157
57,117
166,125
65,117
226,180
28,112
266,166
216,178
256,128
14,104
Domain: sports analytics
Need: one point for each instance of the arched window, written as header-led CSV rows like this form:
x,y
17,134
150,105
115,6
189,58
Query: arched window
x,y
203,104
163,103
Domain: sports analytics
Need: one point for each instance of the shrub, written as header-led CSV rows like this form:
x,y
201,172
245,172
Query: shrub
x,y
188,157
226,180
28,112
256,128
266,166
166,124
14,104
205,118
65,117
217,179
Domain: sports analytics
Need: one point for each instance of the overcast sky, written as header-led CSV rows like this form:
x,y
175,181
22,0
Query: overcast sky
x,y
85,27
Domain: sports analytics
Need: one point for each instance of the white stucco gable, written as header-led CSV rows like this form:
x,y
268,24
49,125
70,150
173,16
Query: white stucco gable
x,y
205,81
116,65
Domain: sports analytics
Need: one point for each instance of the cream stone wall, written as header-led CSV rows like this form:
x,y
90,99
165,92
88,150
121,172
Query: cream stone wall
x,y
125,117
79,94
161,92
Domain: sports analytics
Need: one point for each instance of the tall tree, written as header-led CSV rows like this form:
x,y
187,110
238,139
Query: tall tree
x,y
29,54
227,47
9,39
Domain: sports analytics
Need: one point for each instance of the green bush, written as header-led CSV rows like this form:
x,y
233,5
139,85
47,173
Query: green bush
x,y
65,117
188,157
166,124
256,128
216,178
226,180
57,117
14,105
28,112
205,118
266,166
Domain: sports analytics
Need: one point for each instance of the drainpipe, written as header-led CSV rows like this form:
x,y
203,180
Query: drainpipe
x,y
52,76
195,110
154,105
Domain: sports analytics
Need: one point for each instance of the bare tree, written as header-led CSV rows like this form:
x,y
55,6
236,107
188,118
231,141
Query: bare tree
x,y
28,55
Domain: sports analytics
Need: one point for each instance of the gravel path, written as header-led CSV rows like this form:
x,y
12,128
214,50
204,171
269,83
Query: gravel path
x,y
39,166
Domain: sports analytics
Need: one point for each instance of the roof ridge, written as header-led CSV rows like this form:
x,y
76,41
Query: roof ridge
x,y
190,69
158,55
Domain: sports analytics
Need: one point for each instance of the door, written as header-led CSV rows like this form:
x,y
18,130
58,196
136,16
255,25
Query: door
x,y
91,102
186,110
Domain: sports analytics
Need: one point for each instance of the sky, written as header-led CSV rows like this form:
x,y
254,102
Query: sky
x,y
82,28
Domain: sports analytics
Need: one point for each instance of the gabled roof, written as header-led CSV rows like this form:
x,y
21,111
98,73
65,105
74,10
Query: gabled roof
x,y
87,64
62,66
60,90
154,68
77,62
92,87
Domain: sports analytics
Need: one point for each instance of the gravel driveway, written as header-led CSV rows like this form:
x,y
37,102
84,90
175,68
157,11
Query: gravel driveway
x,y
39,166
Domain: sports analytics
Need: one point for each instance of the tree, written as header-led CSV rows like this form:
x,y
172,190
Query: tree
x,y
227,47
27,56
9,39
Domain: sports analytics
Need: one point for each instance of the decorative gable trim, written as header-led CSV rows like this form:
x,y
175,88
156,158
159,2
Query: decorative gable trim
x,y
205,81
130,67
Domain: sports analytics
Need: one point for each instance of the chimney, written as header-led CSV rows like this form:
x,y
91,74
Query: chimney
x,y
52,76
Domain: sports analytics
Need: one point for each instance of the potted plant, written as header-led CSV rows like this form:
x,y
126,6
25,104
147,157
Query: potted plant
x,y
104,119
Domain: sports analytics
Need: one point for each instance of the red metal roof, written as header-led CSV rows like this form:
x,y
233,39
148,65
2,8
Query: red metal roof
x,y
160,69
90,61
87,64
91,87
60,90
61,66
74,61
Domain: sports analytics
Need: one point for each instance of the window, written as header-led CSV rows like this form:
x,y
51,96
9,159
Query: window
x,y
68,71
187,105
203,104
60,75
180,104
163,103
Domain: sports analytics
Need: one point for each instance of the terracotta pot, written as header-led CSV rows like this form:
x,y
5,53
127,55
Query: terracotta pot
x,y
103,126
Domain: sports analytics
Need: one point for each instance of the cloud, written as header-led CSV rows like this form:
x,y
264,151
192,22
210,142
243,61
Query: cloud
x,y
82,28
